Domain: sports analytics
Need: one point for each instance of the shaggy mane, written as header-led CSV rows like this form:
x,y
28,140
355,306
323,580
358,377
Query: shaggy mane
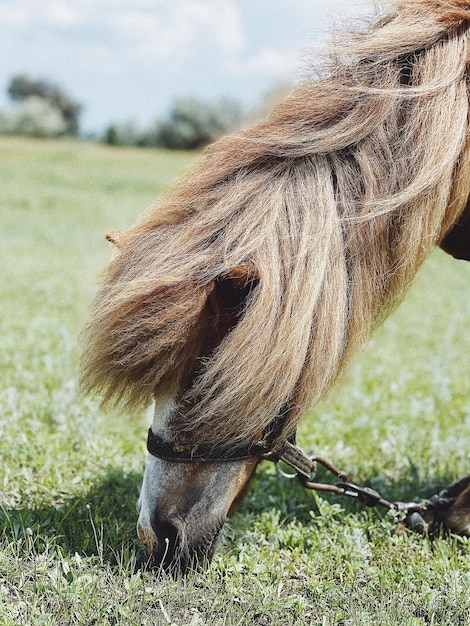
x,y
336,200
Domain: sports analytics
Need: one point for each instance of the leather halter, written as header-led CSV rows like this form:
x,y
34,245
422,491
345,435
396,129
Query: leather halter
x,y
274,445
285,451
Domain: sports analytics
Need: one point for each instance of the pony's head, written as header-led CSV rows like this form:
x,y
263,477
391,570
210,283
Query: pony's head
x,y
183,505
188,490
236,303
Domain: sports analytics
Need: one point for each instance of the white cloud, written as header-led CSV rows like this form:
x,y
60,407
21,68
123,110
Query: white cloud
x,y
179,29
13,15
30,13
116,35
276,63
61,13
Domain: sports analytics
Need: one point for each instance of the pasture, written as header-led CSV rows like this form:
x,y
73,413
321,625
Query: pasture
x,y
70,473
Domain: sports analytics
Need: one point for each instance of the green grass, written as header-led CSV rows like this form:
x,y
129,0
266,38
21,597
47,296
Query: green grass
x,y
70,473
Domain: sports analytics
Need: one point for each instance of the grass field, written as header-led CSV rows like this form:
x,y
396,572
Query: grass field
x,y
70,473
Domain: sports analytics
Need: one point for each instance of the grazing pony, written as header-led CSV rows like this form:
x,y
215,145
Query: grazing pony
x,y
236,302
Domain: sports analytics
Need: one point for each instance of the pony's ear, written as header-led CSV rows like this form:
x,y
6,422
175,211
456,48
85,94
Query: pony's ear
x,y
241,276
232,289
117,237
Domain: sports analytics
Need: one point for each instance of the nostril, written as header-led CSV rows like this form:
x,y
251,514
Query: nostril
x,y
167,549
164,529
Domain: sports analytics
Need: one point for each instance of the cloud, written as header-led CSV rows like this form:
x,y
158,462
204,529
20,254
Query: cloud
x,y
270,61
28,13
13,15
172,31
158,28
61,14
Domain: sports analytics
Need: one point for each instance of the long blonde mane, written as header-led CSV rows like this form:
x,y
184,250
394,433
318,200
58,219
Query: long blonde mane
x,y
336,200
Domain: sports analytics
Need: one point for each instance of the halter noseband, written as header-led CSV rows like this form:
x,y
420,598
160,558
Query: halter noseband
x,y
203,453
274,448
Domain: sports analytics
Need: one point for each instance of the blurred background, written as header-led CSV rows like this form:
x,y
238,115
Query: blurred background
x,y
131,71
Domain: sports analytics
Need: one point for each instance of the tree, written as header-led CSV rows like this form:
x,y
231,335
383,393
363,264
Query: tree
x,y
111,136
193,123
21,88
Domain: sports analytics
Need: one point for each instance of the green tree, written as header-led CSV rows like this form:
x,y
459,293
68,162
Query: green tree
x,y
111,136
193,123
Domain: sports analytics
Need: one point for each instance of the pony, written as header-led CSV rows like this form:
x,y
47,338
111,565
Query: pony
x,y
236,302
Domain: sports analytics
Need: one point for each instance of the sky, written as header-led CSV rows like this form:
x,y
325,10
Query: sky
x,y
126,60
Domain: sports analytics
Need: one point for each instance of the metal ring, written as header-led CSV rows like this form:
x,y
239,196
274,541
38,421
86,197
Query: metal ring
x,y
285,474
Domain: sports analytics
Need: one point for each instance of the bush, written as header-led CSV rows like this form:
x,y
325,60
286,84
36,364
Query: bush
x,y
35,117
122,135
22,88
